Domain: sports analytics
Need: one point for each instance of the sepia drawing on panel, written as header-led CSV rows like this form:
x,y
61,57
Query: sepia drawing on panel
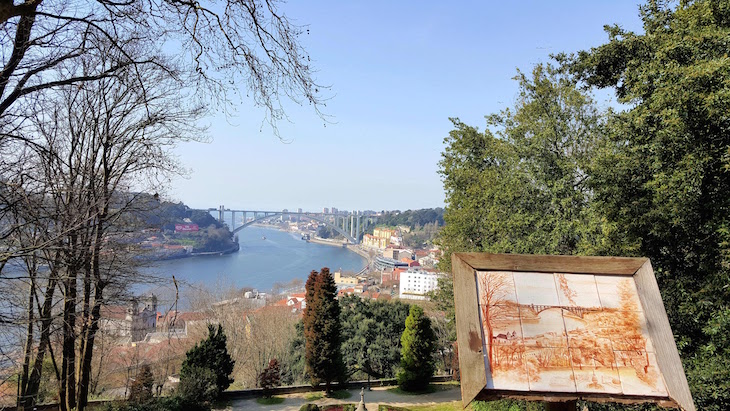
x,y
561,332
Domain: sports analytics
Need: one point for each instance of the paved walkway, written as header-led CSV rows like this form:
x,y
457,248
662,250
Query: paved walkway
x,y
378,395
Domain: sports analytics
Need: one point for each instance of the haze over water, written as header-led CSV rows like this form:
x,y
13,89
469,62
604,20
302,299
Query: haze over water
x,y
260,263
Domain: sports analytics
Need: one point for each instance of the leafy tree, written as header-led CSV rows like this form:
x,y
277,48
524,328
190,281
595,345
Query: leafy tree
x,y
270,377
412,218
210,354
418,345
323,357
198,388
665,177
371,333
141,389
521,186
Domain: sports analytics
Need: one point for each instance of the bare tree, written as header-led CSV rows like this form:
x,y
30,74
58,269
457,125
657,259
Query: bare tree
x,y
103,139
220,51
219,43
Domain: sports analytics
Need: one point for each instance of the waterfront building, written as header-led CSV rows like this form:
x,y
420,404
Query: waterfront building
x,y
383,263
369,240
415,284
341,280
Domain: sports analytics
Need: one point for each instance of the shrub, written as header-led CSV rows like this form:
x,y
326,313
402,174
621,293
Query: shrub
x,y
418,345
198,384
212,354
269,377
309,407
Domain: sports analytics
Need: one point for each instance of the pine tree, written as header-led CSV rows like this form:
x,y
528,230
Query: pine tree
x,y
323,357
212,354
418,345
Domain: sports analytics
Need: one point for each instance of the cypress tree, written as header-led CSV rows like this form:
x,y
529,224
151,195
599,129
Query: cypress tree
x,y
323,357
418,345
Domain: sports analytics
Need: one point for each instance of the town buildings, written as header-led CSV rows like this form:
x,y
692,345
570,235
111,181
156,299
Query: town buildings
x,y
415,284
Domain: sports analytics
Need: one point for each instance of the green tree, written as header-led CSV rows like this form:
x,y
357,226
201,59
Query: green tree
x,y
665,177
418,345
323,357
294,370
521,186
371,333
197,388
141,389
211,354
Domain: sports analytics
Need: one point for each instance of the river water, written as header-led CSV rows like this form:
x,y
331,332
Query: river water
x,y
267,256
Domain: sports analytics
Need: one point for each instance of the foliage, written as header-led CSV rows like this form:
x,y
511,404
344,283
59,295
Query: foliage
x,y
412,218
418,345
522,188
327,232
664,178
323,357
211,354
270,377
309,407
339,407
371,333
198,384
294,371
141,389
521,185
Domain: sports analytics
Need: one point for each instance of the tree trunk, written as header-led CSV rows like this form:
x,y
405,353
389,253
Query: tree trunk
x,y
34,381
23,388
67,394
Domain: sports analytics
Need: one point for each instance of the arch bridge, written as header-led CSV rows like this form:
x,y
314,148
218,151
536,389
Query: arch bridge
x,y
349,226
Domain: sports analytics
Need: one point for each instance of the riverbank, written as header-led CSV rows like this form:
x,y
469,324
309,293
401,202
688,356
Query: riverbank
x,y
351,247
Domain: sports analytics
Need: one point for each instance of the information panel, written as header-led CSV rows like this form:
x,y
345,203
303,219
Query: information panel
x,y
557,328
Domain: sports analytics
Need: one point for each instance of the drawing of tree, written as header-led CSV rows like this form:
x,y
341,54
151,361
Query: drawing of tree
x,y
495,288
566,290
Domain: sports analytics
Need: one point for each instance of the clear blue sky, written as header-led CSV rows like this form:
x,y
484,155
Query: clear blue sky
x,y
397,71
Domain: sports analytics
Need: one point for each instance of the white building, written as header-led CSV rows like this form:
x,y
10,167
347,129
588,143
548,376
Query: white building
x,y
416,283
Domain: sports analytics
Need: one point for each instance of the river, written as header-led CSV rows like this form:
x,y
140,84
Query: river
x,y
267,256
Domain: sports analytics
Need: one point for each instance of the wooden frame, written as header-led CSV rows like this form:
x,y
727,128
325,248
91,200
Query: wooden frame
x,y
475,374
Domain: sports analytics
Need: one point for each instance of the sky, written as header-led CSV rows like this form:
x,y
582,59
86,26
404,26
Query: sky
x,y
396,72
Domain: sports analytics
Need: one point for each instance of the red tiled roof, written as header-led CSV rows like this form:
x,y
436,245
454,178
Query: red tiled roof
x,y
191,316
114,312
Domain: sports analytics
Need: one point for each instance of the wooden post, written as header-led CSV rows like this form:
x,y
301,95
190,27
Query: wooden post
x,y
560,406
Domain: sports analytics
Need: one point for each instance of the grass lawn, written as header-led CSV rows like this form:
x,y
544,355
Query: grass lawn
x,y
270,401
446,406
430,389
314,396
338,395
341,394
